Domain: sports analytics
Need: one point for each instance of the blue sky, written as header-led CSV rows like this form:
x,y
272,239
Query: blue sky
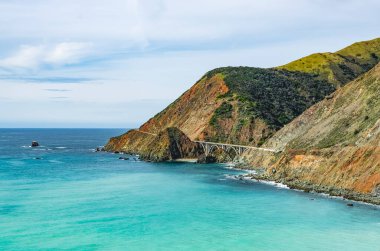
x,y
116,63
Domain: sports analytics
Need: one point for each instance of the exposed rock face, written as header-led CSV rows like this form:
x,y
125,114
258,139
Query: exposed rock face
x,y
192,111
376,191
172,144
169,144
333,145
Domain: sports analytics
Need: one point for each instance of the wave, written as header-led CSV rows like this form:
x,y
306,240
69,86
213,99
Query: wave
x,y
56,161
229,165
325,195
267,182
230,177
249,179
250,171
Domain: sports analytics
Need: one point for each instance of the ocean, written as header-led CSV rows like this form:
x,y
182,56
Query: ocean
x,y
64,196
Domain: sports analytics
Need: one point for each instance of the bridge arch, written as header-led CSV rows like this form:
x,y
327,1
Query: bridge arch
x,y
233,148
209,147
214,147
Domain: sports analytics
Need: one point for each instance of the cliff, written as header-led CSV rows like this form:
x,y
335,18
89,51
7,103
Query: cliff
x,y
247,105
334,146
169,144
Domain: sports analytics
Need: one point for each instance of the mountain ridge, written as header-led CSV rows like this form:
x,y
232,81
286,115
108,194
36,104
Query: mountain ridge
x,y
244,105
342,66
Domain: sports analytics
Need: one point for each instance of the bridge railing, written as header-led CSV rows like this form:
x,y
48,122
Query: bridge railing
x,y
234,145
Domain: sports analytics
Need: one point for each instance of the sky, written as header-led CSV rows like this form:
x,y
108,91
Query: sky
x,y
116,63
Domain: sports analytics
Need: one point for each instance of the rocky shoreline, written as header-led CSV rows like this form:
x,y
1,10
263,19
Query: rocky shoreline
x,y
260,174
308,187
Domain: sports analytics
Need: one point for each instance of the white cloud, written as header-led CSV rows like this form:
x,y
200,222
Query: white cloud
x,y
33,57
155,49
142,22
67,53
26,57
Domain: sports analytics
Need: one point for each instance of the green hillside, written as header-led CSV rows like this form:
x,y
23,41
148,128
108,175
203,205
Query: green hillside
x,y
342,66
275,96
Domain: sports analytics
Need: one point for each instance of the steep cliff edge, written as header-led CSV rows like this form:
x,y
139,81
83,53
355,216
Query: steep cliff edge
x,y
334,146
247,105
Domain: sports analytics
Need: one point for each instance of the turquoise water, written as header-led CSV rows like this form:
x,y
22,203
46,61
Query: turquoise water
x,y
75,199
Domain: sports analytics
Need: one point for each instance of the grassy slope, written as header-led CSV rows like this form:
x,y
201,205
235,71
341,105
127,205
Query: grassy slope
x,y
342,66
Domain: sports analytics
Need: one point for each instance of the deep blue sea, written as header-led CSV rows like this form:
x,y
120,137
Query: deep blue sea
x,y
75,199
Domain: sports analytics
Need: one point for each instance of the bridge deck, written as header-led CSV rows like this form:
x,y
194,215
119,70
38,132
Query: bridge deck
x,y
233,145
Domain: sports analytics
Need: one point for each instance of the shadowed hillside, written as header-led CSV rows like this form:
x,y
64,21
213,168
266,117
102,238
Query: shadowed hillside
x,y
334,146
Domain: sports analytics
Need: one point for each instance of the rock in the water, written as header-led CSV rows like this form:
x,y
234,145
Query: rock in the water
x,y
123,158
376,191
35,143
206,159
101,149
350,205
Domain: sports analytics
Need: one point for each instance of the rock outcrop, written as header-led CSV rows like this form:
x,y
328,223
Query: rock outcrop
x,y
35,144
169,144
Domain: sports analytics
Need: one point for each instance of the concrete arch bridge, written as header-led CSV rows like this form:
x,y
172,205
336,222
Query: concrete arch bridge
x,y
209,147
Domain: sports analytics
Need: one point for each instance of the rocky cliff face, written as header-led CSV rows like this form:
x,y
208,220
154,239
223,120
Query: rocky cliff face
x,y
169,144
189,114
334,146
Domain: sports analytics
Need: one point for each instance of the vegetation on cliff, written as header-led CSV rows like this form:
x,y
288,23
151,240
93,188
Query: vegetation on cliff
x,y
261,101
275,96
342,66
